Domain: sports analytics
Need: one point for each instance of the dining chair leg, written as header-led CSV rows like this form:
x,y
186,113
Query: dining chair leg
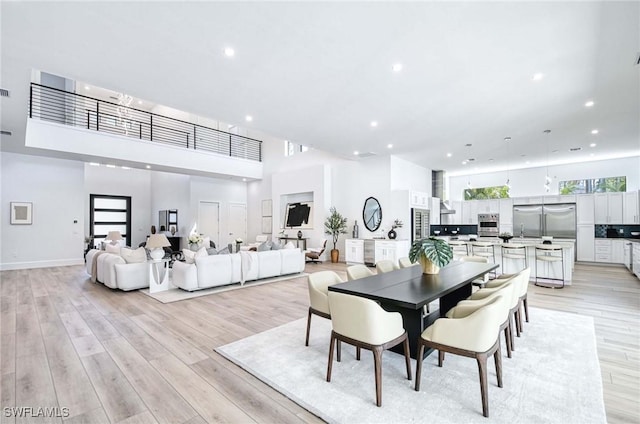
x,y
497,357
358,353
482,370
377,363
507,340
440,358
331,345
520,316
515,319
339,348
511,324
419,360
306,342
526,308
407,358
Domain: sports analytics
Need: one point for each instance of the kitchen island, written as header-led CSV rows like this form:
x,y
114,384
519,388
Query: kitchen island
x,y
546,270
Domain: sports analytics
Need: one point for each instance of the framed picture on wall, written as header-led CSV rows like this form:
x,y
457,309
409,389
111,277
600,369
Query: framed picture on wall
x,y
266,207
266,225
21,213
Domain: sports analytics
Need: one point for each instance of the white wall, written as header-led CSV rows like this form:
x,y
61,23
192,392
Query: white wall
x,y
407,175
171,191
55,187
530,182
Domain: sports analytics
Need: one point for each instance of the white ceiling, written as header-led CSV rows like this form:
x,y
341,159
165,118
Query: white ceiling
x,y
319,73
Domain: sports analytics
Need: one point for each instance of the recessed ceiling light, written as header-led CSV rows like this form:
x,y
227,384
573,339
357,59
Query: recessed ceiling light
x,y
527,162
374,123
592,145
464,162
110,165
248,118
244,179
126,168
356,153
449,155
594,131
94,164
148,166
86,87
139,102
389,146
591,154
537,77
229,52
397,67
590,103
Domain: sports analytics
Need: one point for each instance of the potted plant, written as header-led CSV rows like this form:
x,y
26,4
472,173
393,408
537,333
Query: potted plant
x,y
506,236
335,225
432,253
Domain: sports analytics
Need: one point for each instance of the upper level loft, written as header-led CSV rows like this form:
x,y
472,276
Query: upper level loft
x,y
111,129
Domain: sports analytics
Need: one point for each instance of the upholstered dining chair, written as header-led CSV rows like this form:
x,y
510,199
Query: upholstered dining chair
x,y
385,265
355,272
313,254
406,262
319,283
375,330
509,290
479,259
475,336
524,277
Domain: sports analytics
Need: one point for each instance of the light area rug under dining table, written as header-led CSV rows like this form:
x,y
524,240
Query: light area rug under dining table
x,y
553,377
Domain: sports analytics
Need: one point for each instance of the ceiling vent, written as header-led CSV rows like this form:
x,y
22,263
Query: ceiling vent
x,y
366,154
4,92
3,132
575,149
638,59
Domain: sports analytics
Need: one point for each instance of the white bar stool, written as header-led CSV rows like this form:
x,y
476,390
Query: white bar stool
x,y
485,250
549,253
516,252
459,248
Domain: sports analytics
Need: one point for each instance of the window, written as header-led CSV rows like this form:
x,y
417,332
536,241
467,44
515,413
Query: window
x,y
497,192
109,213
595,185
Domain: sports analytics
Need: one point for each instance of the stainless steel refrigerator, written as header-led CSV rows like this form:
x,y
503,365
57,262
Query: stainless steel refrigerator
x,y
558,220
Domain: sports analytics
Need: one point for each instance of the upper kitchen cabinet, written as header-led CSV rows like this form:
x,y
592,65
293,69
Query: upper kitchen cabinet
x,y
608,208
419,200
585,209
470,212
488,206
434,210
631,213
505,208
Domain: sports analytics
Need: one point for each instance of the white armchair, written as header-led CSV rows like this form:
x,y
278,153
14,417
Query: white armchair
x,y
375,329
475,336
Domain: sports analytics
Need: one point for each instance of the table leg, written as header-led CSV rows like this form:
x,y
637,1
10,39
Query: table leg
x,y
450,300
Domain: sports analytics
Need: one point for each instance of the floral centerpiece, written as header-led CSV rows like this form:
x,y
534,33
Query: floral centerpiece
x,y
506,236
195,239
239,240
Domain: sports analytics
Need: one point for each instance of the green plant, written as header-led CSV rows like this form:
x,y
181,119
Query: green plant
x,y
505,235
334,225
436,250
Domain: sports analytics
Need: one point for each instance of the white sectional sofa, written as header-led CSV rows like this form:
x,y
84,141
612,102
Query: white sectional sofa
x,y
114,272
218,270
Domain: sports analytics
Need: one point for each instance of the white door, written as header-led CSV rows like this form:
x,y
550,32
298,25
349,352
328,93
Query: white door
x,y
209,221
237,222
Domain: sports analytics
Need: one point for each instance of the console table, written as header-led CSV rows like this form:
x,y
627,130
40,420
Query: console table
x,y
297,240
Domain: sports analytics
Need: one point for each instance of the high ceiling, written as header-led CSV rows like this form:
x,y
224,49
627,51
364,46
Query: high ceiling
x,y
320,73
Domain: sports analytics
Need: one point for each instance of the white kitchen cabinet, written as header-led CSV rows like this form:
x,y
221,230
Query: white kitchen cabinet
x,y
631,213
354,251
470,212
567,198
456,218
585,239
603,250
505,209
534,200
608,208
617,251
585,209
488,206
434,210
636,259
390,250
419,199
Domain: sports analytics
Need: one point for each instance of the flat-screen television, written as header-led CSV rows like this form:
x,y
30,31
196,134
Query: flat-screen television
x,y
298,214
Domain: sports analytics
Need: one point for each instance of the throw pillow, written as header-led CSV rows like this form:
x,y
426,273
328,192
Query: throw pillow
x,y
212,251
263,247
112,248
136,256
289,245
224,251
275,246
206,242
190,256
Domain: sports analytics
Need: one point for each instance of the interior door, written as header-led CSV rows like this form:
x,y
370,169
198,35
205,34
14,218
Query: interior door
x,y
237,222
209,220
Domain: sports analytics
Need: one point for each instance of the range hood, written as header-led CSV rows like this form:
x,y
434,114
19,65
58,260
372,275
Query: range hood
x,y
437,188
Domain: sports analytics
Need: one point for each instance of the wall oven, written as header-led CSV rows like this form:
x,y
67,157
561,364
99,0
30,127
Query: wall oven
x,y
488,224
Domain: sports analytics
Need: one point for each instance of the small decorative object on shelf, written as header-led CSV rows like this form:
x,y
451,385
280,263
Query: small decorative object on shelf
x,y
173,230
355,230
194,241
153,229
505,237
392,233
432,253
299,234
238,243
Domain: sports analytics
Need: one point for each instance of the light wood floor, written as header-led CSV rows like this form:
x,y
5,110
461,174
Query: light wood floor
x,y
118,357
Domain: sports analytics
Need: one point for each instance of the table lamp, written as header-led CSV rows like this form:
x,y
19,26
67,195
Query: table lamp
x,y
113,237
155,244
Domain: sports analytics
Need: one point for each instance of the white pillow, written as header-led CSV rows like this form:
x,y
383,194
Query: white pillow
x,y
289,245
136,256
190,256
206,242
112,248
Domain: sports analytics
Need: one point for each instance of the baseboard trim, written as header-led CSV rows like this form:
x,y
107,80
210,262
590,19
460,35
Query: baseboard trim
x,y
40,264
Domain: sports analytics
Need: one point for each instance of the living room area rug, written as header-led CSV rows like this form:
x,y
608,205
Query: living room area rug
x,y
553,376
175,294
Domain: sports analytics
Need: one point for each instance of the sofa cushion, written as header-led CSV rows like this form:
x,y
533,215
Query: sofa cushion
x,y
190,256
212,251
275,245
224,251
289,245
136,256
112,248
264,246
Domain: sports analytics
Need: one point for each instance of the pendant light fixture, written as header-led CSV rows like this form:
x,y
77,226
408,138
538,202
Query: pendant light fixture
x,y
547,179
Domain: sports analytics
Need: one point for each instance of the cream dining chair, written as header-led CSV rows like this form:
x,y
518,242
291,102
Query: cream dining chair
x,y
385,265
355,272
375,330
319,283
406,262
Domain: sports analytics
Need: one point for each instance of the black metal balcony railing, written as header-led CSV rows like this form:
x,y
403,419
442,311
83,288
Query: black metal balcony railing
x,y
52,104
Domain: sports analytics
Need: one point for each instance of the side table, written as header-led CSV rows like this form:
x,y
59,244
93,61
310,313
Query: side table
x,y
158,275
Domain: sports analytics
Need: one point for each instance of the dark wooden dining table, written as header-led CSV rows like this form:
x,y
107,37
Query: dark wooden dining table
x,y
408,290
